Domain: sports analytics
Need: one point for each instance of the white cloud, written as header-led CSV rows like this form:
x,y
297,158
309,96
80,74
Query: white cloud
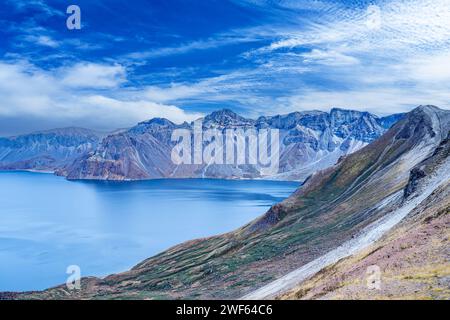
x,y
245,87
329,58
405,26
52,96
24,89
287,4
429,68
174,92
167,51
402,62
136,110
218,41
381,101
93,75
42,40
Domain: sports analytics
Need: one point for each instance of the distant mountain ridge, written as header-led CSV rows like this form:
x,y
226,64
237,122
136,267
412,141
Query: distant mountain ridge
x,y
309,141
46,150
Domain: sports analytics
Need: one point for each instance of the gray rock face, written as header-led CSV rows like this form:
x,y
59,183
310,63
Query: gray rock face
x,y
309,141
46,150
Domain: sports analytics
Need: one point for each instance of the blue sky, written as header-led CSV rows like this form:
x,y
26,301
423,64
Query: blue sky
x,y
180,59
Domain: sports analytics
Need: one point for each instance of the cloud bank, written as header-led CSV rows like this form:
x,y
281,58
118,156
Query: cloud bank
x,y
79,95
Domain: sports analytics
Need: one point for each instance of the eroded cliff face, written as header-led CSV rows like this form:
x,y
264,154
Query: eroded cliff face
x,y
333,207
46,150
309,141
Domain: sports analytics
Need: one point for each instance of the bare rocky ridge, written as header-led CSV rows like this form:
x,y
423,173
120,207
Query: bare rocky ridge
x,y
413,258
334,206
46,150
310,141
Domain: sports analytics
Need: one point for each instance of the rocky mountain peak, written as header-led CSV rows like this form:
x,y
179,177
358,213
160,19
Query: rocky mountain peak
x,y
159,122
425,119
339,115
226,117
428,108
151,125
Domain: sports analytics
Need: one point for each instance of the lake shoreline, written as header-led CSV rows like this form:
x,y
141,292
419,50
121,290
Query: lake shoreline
x,y
110,227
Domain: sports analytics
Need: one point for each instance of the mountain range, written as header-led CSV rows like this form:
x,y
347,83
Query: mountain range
x,y
46,150
384,205
309,141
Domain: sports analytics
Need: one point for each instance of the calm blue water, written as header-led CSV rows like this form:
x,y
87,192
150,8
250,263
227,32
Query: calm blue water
x,y
48,223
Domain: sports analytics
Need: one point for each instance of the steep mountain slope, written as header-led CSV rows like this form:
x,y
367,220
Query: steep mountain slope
x,y
413,260
333,206
310,141
46,150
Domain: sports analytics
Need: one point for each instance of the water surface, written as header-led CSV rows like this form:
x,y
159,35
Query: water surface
x,y
48,223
